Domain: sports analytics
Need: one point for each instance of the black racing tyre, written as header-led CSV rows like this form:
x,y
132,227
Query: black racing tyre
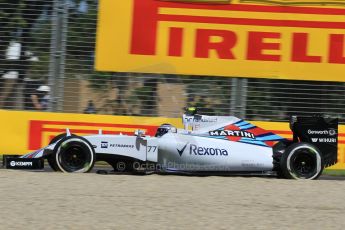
x,y
74,154
51,158
52,163
301,161
58,137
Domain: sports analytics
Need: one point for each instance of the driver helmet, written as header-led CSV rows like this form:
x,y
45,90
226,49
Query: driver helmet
x,y
191,111
165,128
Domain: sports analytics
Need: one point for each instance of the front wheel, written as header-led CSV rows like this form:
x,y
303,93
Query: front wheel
x,y
302,161
51,158
74,154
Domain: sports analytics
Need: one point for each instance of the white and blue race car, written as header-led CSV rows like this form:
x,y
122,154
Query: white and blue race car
x,y
208,145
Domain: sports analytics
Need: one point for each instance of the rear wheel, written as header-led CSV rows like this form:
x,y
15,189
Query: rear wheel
x,y
301,161
74,154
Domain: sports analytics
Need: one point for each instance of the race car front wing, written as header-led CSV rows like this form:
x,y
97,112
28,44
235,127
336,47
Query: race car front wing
x,y
14,162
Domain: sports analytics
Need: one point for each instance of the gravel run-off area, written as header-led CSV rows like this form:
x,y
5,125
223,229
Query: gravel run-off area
x,y
50,200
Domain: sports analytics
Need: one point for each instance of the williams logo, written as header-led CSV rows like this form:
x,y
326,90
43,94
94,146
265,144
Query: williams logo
x,y
233,133
104,145
202,151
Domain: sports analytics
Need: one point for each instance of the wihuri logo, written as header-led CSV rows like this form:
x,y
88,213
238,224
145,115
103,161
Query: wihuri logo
x,y
324,140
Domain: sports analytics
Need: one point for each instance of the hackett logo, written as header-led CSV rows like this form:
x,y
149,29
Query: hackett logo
x,y
261,45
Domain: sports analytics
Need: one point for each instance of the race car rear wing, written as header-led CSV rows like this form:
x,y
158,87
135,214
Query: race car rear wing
x,y
319,131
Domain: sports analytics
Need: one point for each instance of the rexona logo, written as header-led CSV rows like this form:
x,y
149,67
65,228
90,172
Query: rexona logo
x,y
180,152
233,133
20,163
203,151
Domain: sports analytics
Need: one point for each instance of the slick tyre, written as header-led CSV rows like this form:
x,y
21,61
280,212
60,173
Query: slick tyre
x,y
74,154
302,161
51,158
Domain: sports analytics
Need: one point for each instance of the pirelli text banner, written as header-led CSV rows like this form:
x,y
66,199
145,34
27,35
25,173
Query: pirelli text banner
x,y
242,40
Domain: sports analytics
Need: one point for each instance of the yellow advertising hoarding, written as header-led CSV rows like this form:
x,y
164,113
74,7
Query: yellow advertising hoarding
x,y
198,1
242,40
322,3
23,132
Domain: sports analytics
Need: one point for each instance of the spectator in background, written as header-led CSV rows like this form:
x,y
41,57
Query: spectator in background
x,y
90,109
40,98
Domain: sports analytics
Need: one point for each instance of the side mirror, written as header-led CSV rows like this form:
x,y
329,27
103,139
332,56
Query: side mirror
x,y
139,133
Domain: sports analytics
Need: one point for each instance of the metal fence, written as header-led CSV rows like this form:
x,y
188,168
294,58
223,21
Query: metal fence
x,y
52,42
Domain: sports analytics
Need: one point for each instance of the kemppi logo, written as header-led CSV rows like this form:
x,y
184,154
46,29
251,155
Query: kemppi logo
x,y
40,128
20,163
261,45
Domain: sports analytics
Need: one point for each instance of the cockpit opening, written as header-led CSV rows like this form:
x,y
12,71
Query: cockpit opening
x,y
165,128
